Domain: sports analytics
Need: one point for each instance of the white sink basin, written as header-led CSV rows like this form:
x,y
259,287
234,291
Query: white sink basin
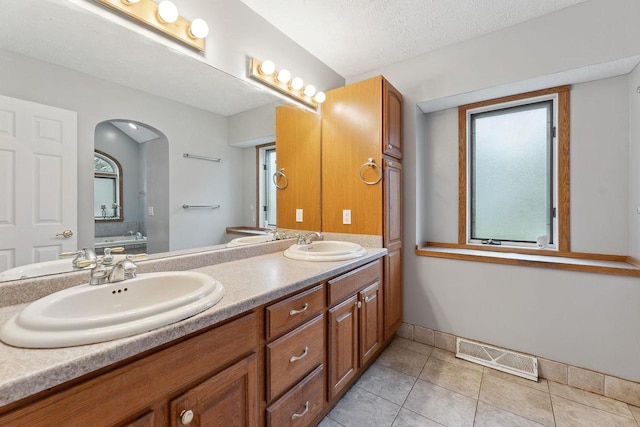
x,y
249,240
89,314
330,250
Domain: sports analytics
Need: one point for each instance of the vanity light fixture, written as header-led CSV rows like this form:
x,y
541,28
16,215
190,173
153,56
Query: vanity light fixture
x,y
165,18
283,76
281,81
167,12
296,83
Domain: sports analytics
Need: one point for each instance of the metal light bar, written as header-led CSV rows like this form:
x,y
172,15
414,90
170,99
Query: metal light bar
x,y
146,12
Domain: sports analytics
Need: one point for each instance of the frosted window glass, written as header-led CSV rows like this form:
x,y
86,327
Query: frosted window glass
x,y
104,193
511,173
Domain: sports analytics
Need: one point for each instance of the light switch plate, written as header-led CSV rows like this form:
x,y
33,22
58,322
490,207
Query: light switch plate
x,y
346,216
150,211
298,215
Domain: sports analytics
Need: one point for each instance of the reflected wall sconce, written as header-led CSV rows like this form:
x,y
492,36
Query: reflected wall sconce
x,y
165,18
280,80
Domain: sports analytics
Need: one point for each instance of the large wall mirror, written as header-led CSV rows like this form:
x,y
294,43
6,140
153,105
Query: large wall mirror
x,y
53,67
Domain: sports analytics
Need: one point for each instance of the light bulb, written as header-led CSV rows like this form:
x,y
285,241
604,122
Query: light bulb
x,y
310,90
284,76
199,28
320,97
296,83
267,67
167,12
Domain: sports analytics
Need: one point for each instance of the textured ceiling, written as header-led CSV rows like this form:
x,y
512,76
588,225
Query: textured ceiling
x,y
356,36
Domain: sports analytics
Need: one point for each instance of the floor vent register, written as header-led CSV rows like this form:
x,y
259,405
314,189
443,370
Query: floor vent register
x,y
507,361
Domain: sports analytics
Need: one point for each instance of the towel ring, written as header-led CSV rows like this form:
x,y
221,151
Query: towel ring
x,y
280,172
370,163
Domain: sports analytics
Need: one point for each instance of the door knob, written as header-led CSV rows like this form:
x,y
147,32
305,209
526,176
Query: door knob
x,y
66,234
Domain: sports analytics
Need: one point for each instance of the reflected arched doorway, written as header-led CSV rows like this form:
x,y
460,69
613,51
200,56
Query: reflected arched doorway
x,y
142,220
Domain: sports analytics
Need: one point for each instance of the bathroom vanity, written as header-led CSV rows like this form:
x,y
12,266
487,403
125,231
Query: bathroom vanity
x,y
281,348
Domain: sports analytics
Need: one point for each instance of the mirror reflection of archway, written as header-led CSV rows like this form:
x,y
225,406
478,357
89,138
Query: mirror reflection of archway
x,y
143,154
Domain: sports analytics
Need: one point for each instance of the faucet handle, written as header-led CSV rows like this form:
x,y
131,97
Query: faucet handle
x,y
99,274
130,268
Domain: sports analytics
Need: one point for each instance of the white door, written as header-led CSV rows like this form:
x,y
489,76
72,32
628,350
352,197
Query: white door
x,y
38,182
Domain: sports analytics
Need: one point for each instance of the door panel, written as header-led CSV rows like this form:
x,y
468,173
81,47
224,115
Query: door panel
x,y
38,181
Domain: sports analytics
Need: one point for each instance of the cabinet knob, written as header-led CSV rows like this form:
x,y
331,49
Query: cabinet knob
x,y
366,299
186,416
359,304
389,147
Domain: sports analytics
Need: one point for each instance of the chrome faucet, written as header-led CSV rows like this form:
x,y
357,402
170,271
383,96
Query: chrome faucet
x,y
84,254
122,270
307,238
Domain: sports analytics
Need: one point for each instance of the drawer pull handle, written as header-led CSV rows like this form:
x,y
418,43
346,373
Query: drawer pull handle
x,y
303,413
302,356
186,416
302,310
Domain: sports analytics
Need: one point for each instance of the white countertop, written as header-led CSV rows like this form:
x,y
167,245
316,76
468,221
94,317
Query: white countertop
x,y
248,283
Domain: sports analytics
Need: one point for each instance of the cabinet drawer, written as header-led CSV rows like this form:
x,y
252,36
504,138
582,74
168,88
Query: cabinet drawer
x,y
293,356
348,284
294,311
301,405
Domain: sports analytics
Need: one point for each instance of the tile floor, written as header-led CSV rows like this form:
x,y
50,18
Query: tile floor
x,y
412,384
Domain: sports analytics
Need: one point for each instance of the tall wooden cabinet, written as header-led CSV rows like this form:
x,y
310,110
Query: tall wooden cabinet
x,y
298,163
362,174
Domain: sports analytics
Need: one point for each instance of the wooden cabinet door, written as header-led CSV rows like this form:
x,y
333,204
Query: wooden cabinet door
x,y
392,122
227,399
392,292
352,134
392,203
371,333
343,344
298,153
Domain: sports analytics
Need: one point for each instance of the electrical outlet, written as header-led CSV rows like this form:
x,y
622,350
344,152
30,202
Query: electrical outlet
x,y
346,216
298,215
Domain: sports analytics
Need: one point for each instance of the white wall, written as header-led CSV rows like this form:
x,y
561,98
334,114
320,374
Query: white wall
x,y
187,129
589,320
634,164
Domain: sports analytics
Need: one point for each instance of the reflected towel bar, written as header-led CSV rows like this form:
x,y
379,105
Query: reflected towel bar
x,y
185,206
193,156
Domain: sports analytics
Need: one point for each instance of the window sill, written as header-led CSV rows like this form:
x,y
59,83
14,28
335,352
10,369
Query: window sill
x,y
574,261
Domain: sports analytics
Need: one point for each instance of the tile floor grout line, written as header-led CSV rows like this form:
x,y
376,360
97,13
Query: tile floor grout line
x,y
600,396
475,414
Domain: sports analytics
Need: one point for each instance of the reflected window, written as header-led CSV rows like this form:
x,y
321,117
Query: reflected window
x,y
270,187
107,188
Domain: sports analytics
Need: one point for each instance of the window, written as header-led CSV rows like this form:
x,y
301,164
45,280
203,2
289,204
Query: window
x,y
514,171
266,197
107,186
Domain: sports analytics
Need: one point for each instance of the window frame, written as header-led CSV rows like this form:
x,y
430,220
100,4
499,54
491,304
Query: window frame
x,y
262,182
561,161
119,186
